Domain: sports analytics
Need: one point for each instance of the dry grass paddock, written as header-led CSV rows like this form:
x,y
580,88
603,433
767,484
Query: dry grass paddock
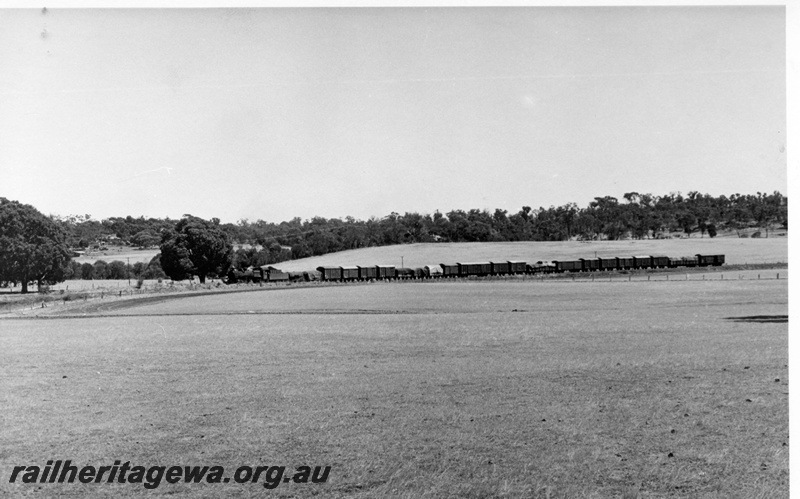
x,y
458,389
736,251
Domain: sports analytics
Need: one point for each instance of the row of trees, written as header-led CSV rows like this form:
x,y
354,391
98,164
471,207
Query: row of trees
x,y
85,232
37,248
636,216
114,270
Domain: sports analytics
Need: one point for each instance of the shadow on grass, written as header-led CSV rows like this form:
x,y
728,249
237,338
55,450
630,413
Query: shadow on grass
x,y
760,318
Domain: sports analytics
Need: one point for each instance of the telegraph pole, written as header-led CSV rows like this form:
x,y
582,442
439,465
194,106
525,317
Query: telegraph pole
x,y
401,262
129,271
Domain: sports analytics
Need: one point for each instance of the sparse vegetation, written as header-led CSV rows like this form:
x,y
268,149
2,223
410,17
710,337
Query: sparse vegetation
x,y
493,389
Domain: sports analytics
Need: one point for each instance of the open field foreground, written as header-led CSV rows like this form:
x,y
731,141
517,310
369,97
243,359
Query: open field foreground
x,y
451,389
736,251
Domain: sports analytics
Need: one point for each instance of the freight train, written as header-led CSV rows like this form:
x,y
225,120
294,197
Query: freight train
x,y
268,273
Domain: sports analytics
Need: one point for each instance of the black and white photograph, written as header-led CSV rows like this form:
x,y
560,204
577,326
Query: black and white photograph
x,y
406,250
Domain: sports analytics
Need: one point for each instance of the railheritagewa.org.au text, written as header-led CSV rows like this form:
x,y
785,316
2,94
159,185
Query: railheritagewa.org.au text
x,y
150,477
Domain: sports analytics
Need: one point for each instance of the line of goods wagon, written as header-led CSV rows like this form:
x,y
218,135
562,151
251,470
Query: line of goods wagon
x,y
268,273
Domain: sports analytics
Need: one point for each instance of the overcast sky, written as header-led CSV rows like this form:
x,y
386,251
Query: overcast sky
x,y
276,113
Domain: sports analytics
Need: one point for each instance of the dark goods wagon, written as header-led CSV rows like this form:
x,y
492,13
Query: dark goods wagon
x,y
568,265
625,262
449,269
660,261
474,268
590,264
517,267
683,261
500,268
370,272
350,273
642,262
386,271
608,264
330,273
706,260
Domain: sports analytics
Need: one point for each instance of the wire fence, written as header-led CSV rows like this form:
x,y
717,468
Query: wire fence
x,y
665,277
66,297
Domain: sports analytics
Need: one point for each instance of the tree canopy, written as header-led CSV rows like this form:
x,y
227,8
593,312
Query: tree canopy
x,y
33,247
635,215
195,246
145,238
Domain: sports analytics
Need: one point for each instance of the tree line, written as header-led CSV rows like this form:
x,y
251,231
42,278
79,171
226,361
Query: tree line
x,y
39,248
637,216
115,269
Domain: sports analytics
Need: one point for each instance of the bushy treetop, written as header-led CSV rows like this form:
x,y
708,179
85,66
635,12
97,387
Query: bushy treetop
x,y
32,246
195,246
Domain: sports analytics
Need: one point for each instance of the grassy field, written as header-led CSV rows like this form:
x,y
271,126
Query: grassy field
x,y
453,389
737,251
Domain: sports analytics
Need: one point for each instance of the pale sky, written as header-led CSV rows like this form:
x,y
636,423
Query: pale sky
x,y
274,113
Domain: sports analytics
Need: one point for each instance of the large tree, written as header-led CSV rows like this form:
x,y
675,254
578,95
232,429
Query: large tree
x,y
195,246
33,247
